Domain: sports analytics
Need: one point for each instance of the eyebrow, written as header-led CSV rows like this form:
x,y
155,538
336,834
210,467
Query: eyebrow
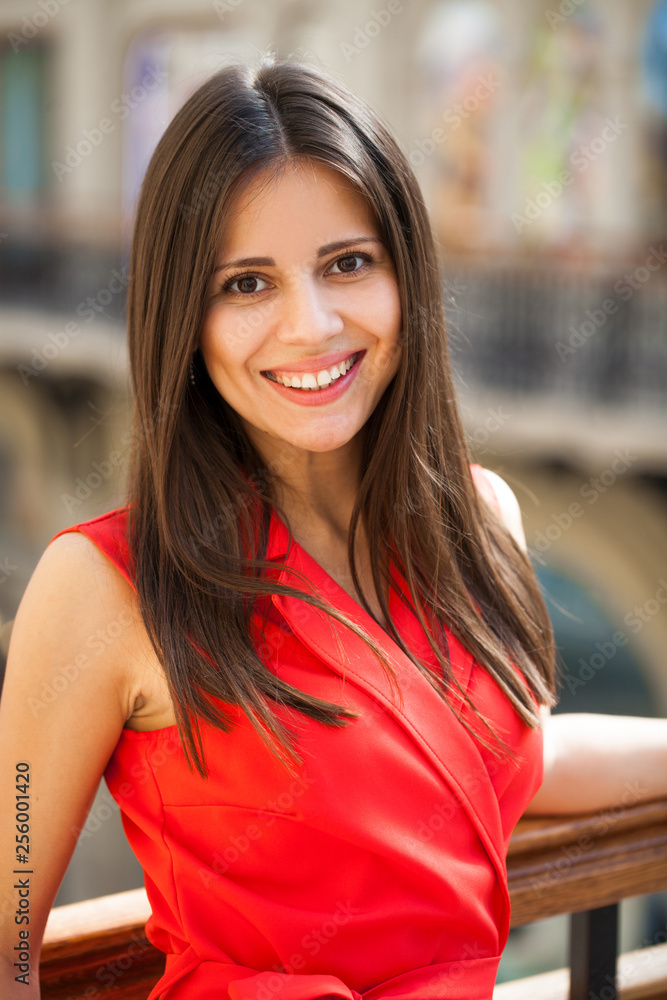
x,y
323,251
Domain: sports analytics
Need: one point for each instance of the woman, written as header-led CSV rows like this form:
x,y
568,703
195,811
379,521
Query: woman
x,y
309,654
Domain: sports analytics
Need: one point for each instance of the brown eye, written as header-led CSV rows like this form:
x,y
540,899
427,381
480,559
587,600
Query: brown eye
x,y
348,265
245,285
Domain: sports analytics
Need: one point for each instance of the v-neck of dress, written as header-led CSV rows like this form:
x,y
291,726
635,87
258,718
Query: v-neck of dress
x,y
401,607
331,582
402,616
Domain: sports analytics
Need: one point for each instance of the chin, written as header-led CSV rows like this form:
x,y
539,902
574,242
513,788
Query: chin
x,y
320,442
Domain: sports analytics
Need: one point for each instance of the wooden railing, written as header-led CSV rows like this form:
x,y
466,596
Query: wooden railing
x,y
581,865
585,865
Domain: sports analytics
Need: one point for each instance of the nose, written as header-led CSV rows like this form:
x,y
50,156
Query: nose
x,y
308,315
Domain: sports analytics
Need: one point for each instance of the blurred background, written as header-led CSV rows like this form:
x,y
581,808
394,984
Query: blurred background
x,y
538,132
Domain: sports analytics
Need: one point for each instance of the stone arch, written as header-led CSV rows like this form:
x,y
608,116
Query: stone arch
x,y
615,549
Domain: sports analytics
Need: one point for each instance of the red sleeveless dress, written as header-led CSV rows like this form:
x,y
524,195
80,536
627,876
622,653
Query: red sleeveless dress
x,y
379,872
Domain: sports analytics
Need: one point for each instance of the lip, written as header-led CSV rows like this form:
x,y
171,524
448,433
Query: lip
x,y
327,394
313,364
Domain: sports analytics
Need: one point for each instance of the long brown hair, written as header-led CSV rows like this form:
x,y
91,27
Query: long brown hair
x,y
198,491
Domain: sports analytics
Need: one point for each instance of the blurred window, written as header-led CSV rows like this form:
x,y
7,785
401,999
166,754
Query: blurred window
x,y
565,144
22,111
162,69
458,59
520,139
144,110
653,81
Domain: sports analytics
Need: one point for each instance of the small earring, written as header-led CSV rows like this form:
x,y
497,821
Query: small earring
x,y
192,372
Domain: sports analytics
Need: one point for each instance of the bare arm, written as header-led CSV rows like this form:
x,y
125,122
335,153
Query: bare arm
x,y
594,761
64,704
591,761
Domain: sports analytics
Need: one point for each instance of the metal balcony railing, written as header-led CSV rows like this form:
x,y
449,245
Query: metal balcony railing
x,y
588,336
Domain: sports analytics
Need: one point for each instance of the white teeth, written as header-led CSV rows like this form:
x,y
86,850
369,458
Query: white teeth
x,y
315,380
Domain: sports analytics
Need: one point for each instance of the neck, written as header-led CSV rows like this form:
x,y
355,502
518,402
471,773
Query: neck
x,y
316,491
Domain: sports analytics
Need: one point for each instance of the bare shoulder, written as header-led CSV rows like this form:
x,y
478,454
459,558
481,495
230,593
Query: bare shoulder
x,y
79,604
73,570
77,550
509,506
109,624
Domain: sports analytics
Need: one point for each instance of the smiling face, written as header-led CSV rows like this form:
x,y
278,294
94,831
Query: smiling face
x,y
303,286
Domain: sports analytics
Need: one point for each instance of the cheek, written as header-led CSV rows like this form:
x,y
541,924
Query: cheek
x,y
389,327
389,360
379,313
227,341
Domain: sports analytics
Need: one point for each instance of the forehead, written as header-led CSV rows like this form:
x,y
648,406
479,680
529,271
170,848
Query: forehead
x,y
298,206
